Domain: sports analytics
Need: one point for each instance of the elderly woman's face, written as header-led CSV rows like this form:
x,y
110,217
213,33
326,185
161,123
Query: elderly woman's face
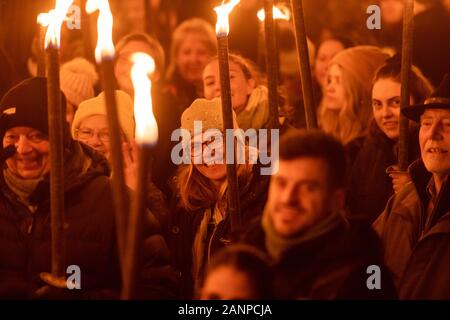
x,y
191,58
94,132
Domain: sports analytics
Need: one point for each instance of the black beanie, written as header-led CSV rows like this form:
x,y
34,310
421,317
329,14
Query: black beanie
x,y
25,105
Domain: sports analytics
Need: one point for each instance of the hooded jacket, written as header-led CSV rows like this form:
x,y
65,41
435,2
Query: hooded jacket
x,y
90,235
418,253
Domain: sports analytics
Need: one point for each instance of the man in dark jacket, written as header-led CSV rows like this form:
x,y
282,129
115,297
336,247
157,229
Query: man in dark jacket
x,y
25,232
415,226
317,254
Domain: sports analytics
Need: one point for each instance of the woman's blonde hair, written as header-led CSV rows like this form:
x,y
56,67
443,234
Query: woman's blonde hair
x,y
352,119
197,191
196,26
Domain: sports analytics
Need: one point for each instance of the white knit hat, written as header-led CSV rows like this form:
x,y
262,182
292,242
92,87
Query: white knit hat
x,y
78,78
97,106
209,112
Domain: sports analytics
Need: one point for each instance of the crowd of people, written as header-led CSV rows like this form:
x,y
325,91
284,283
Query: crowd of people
x,y
337,205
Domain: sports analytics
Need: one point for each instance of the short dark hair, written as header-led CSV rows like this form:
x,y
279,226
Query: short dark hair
x,y
297,143
251,261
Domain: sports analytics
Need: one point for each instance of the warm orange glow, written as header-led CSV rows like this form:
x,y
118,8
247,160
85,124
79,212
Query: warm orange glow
x,y
53,21
279,13
105,45
222,25
146,126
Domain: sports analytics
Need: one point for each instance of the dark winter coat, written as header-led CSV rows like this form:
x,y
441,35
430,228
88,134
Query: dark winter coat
x,y
90,233
418,254
331,266
183,226
370,186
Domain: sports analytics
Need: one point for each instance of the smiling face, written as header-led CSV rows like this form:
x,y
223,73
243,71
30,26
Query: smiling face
x,y
241,87
31,159
208,159
191,58
434,139
386,106
300,195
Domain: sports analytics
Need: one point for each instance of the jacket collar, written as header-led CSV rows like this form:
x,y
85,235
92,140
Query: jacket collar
x,y
421,177
81,164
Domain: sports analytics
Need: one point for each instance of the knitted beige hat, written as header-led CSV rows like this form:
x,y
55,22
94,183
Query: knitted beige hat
x,y
209,112
361,62
97,106
78,78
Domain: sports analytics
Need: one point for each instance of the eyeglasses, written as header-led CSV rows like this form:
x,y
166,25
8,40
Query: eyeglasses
x,y
86,134
34,137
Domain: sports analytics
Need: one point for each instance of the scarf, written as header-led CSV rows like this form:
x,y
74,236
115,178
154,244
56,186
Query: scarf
x,y
23,188
277,245
256,114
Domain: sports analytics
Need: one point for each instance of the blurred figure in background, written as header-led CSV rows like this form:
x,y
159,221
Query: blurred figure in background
x,y
238,272
345,110
193,44
326,50
78,79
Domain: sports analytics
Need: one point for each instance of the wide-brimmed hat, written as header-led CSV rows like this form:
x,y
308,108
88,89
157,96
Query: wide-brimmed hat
x,y
439,99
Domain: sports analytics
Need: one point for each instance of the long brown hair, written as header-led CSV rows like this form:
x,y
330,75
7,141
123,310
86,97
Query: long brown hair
x,y
197,191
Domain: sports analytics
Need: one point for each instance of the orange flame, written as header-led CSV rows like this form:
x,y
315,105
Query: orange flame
x,y
279,13
105,45
222,25
146,126
53,21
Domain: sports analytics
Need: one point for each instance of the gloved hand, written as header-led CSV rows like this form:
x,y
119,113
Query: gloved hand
x,y
7,152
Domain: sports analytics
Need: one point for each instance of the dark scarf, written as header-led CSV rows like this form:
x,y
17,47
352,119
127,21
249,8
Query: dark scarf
x,y
23,188
276,245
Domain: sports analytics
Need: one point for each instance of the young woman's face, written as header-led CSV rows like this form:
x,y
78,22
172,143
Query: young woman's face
x,y
191,58
227,283
335,94
208,158
327,50
241,87
386,106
